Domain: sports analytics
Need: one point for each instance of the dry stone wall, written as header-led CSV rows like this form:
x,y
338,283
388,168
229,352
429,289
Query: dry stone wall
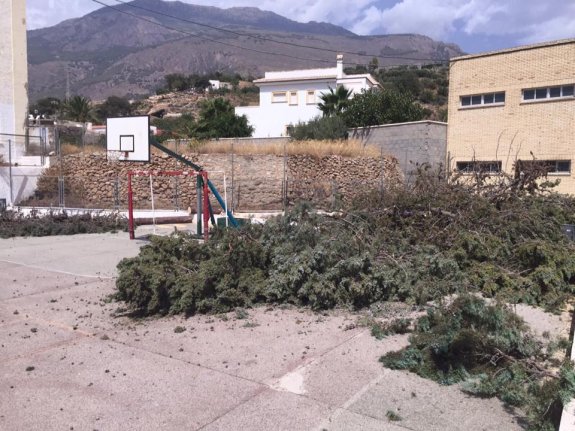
x,y
253,183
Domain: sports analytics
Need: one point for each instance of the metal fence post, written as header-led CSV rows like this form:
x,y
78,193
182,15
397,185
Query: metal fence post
x,y
233,206
117,193
61,200
10,171
284,185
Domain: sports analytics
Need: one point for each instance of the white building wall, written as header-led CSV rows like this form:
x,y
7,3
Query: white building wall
x,y
356,85
271,119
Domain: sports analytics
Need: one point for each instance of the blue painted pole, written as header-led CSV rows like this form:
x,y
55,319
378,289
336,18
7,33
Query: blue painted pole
x,y
231,218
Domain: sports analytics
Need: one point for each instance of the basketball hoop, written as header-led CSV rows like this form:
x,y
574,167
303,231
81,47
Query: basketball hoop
x,y
128,139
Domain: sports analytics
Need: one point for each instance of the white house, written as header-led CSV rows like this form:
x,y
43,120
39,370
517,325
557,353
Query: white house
x,y
291,97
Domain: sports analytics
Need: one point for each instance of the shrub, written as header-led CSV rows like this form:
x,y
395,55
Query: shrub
x,y
320,128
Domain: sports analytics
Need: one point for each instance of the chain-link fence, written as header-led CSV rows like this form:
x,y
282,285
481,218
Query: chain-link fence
x,y
78,175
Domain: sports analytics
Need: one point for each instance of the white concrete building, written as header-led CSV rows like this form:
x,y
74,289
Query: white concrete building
x,y
291,97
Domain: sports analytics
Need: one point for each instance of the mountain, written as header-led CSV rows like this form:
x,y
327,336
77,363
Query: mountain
x,y
128,49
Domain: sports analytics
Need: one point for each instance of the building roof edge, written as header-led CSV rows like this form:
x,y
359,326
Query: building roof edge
x,y
514,49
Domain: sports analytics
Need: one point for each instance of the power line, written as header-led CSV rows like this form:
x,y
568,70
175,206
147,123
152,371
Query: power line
x,y
209,39
260,37
247,35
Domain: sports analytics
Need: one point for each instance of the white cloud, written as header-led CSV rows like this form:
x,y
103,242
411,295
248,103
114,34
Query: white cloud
x,y
527,20
42,13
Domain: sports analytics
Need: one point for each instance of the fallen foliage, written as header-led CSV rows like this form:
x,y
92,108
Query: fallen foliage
x,y
490,350
413,245
14,223
496,237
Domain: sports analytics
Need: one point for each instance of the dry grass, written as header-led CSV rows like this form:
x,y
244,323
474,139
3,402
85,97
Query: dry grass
x,y
349,148
318,149
68,149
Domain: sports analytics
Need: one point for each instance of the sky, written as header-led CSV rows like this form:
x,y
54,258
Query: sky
x,y
475,25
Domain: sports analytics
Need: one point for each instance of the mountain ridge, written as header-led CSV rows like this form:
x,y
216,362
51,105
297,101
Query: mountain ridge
x,y
128,50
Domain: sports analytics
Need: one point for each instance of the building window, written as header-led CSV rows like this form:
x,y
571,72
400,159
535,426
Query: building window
x,y
310,97
279,97
293,98
548,93
487,99
491,167
557,167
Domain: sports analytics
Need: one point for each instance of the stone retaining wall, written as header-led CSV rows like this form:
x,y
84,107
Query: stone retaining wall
x,y
253,183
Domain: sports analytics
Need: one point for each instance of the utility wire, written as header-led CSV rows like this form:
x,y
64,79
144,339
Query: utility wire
x,y
210,39
263,38
247,35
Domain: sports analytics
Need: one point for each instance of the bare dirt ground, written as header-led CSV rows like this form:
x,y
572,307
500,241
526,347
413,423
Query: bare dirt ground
x,y
70,363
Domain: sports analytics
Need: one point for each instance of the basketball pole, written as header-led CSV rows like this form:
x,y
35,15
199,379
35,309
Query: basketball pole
x,y
205,212
130,207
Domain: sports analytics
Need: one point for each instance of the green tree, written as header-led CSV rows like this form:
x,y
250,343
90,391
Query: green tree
x,y
79,108
320,128
48,106
408,82
373,65
334,102
375,107
177,82
176,127
114,106
217,119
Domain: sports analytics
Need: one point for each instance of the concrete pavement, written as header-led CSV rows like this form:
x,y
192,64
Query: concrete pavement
x,y
68,362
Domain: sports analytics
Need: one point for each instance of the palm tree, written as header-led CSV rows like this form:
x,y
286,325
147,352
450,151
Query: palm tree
x,y
79,108
334,102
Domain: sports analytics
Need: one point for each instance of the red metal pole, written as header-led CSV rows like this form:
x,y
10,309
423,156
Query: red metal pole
x,y
205,209
130,208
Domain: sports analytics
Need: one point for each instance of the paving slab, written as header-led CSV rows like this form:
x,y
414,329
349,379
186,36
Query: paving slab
x,y
274,368
355,363
21,280
266,345
83,307
91,384
424,405
26,337
272,410
344,420
90,255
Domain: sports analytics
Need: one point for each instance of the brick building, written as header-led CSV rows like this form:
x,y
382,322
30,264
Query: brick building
x,y
515,106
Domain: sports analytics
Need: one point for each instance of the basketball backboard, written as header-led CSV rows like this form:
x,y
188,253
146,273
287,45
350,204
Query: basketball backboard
x,y
128,138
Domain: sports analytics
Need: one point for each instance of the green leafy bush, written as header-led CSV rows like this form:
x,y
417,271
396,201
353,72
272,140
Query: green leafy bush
x,y
320,128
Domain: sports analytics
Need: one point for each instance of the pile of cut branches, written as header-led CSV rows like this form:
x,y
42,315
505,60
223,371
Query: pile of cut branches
x,y
490,350
411,244
14,223
499,238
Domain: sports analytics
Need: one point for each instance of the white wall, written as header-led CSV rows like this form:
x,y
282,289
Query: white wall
x,y
355,84
271,119
24,179
13,67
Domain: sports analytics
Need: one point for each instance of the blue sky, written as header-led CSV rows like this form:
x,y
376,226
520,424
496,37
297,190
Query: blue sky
x,y
476,25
